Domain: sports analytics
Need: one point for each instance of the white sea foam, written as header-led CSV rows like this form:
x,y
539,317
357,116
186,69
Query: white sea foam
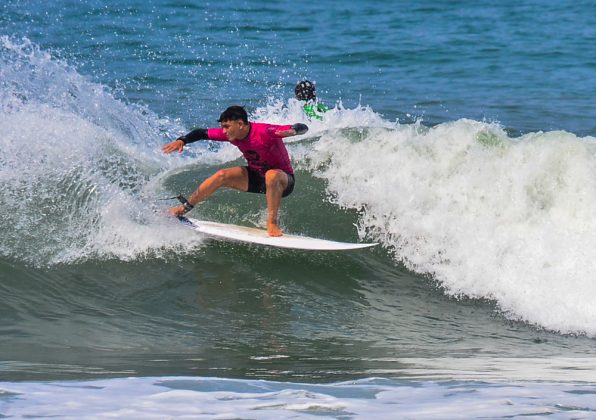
x,y
185,397
486,215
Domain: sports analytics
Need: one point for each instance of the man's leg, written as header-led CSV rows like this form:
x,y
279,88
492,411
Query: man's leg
x,y
236,178
276,181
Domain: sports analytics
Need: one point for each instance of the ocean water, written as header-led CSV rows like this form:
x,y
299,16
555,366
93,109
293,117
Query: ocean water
x,y
461,137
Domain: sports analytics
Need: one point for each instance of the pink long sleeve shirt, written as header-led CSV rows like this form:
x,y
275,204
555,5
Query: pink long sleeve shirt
x,y
262,149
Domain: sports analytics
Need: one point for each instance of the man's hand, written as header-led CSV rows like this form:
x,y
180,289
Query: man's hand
x,y
173,146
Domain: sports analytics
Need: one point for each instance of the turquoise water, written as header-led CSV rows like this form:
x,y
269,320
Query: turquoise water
x,y
461,137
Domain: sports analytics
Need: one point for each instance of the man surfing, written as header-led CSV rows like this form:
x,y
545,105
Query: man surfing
x,y
268,169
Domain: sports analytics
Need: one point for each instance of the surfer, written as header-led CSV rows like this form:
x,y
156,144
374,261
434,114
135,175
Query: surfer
x,y
268,169
305,91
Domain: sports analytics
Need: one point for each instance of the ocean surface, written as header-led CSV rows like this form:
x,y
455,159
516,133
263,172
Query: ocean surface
x,y
461,137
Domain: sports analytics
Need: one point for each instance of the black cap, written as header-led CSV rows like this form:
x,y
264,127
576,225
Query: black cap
x,y
305,91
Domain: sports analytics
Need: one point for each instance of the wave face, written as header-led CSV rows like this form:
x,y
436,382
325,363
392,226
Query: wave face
x,y
485,215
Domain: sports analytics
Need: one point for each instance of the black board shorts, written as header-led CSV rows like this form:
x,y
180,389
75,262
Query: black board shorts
x,y
256,183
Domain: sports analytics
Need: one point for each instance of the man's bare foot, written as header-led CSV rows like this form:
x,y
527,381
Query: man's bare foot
x,y
274,230
176,211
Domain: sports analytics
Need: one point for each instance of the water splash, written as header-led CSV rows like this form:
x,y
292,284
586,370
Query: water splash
x,y
74,160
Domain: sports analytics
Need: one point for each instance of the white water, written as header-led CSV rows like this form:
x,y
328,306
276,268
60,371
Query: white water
x,y
485,215
183,397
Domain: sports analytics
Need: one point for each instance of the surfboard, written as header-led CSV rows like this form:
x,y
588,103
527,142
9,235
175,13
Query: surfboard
x,y
252,235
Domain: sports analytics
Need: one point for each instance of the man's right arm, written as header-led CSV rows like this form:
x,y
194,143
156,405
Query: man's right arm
x,y
294,130
180,142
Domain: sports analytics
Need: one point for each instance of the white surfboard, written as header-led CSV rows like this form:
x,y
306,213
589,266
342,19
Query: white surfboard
x,y
260,237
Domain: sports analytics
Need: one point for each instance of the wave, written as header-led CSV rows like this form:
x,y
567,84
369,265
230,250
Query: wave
x,y
486,215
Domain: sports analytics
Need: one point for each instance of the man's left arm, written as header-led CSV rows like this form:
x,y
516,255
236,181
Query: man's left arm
x,y
295,130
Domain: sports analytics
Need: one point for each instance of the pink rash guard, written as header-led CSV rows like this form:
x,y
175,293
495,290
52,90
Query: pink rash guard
x,y
262,149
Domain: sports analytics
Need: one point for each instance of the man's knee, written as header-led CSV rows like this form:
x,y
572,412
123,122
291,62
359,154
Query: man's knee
x,y
231,177
276,179
220,177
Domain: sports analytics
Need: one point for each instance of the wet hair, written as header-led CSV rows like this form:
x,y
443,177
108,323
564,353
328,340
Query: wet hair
x,y
305,91
234,113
